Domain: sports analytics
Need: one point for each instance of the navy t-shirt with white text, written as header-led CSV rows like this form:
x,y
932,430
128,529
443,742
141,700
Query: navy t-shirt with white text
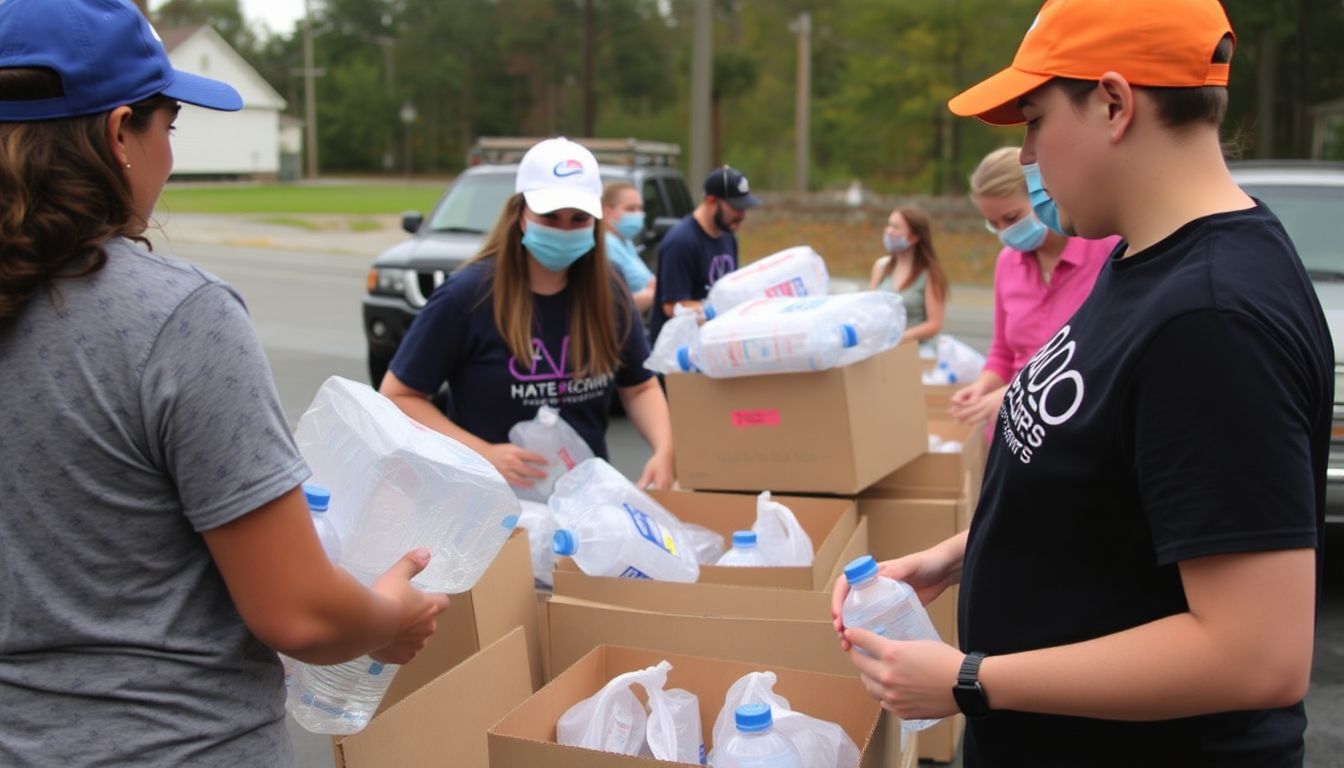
x,y
455,339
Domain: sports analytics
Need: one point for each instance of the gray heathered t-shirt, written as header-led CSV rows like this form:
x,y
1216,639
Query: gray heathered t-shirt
x,y
134,415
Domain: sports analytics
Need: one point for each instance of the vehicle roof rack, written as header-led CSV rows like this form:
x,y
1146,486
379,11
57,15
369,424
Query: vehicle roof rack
x,y
490,150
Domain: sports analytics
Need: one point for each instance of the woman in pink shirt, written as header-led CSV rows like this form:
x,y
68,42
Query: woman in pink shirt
x,y
1041,279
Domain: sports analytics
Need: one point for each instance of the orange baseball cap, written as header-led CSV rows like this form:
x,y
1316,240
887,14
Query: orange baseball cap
x,y
1156,43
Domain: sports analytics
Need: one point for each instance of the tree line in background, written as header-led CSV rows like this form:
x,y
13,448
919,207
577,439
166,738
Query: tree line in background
x,y
882,72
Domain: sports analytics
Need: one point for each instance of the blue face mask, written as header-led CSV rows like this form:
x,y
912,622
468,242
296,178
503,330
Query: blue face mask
x,y
1041,203
556,249
894,243
630,224
1025,235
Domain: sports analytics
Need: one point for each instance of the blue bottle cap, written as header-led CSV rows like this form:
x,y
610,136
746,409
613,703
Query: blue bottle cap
x,y
753,717
850,335
563,543
319,498
684,359
744,538
709,311
860,569
510,522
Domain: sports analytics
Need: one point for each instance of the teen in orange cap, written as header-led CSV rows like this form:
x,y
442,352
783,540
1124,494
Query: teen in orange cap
x,y
1139,581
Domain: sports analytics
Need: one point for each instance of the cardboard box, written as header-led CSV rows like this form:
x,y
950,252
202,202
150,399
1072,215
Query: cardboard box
x,y
703,598
502,599
829,523
836,431
544,633
938,398
940,474
902,746
526,736
446,720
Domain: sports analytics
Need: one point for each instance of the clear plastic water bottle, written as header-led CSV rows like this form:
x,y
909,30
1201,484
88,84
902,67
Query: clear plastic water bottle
x,y
319,501
756,744
797,271
744,551
624,541
339,698
887,608
552,437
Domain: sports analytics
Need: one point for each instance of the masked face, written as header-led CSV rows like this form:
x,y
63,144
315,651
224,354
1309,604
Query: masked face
x,y
1025,235
630,224
554,248
895,243
1041,202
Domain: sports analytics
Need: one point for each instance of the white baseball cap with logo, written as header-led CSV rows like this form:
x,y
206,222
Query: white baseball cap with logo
x,y
559,173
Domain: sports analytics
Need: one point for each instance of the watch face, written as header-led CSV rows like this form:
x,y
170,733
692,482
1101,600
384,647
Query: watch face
x,y
971,700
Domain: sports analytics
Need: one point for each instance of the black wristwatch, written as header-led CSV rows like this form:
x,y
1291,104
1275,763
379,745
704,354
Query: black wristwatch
x,y
970,696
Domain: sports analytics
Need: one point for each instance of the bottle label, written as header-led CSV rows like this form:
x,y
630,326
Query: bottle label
x,y
651,531
794,286
631,572
566,459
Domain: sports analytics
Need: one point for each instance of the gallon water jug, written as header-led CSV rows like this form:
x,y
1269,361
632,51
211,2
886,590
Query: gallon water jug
x,y
797,271
554,439
622,540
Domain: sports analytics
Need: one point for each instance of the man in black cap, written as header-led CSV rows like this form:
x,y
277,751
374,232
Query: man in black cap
x,y
701,248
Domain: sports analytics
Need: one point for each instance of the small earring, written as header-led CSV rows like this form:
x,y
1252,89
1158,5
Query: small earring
x,y
128,165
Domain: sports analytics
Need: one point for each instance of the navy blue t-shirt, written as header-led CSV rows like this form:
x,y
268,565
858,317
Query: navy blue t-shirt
x,y
689,262
1183,411
455,339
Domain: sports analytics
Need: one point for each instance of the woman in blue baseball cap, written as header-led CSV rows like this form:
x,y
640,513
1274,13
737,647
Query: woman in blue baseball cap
x,y
155,545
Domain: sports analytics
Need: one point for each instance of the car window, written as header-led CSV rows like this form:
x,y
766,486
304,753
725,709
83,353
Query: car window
x,y
654,205
1309,213
473,203
678,196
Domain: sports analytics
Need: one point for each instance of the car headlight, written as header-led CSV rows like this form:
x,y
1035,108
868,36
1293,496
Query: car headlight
x,y
386,281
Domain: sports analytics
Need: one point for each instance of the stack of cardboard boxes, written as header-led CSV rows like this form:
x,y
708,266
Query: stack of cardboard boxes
x,y
844,449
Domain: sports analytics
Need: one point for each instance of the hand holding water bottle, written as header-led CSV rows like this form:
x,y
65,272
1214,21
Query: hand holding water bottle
x,y
929,572
911,679
416,610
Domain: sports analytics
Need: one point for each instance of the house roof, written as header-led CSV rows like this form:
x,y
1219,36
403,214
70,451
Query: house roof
x,y
175,36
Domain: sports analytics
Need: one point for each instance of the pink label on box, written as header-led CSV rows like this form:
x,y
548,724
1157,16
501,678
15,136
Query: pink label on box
x,y
768,417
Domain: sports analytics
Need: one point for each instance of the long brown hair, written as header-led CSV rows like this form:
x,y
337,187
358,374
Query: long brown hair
x,y
62,193
595,329
926,256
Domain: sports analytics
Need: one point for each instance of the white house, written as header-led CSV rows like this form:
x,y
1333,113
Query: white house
x,y
245,143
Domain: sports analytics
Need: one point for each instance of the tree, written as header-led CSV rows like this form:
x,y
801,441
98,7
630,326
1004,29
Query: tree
x,y
224,16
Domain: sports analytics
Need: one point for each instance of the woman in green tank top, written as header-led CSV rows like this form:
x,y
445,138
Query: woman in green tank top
x,y
910,267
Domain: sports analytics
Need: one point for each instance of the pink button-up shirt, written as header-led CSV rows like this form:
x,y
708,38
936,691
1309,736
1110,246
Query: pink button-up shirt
x,y
1028,311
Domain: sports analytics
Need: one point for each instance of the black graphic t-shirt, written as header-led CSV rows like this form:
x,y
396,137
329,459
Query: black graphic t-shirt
x,y
689,262
455,339
1183,411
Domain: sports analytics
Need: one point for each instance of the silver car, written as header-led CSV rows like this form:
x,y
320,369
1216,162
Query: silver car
x,y
1308,198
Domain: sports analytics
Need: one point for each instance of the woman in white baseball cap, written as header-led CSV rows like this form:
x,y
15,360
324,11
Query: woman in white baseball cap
x,y
538,317
154,537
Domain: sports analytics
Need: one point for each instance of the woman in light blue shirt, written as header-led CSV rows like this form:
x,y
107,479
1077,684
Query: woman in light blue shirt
x,y
623,220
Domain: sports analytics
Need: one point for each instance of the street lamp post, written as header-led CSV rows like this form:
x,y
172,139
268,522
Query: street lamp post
x,y
408,116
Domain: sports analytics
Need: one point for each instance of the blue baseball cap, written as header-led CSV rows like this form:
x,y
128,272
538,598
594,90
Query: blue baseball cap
x,y
106,54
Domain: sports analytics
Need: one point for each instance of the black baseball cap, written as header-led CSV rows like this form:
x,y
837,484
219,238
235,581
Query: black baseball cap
x,y
728,184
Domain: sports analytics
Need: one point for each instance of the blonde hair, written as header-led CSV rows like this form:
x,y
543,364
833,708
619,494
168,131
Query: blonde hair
x,y
999,175
596,327
612,192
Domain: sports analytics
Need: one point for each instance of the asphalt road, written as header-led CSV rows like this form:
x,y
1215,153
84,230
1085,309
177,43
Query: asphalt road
x,y
305,305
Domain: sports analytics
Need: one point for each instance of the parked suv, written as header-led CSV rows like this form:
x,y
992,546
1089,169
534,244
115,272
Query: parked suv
x,y
1308,198
402,277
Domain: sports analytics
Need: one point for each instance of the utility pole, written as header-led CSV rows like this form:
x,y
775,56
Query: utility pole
x,y
589,107
310,89
702,58
802,107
